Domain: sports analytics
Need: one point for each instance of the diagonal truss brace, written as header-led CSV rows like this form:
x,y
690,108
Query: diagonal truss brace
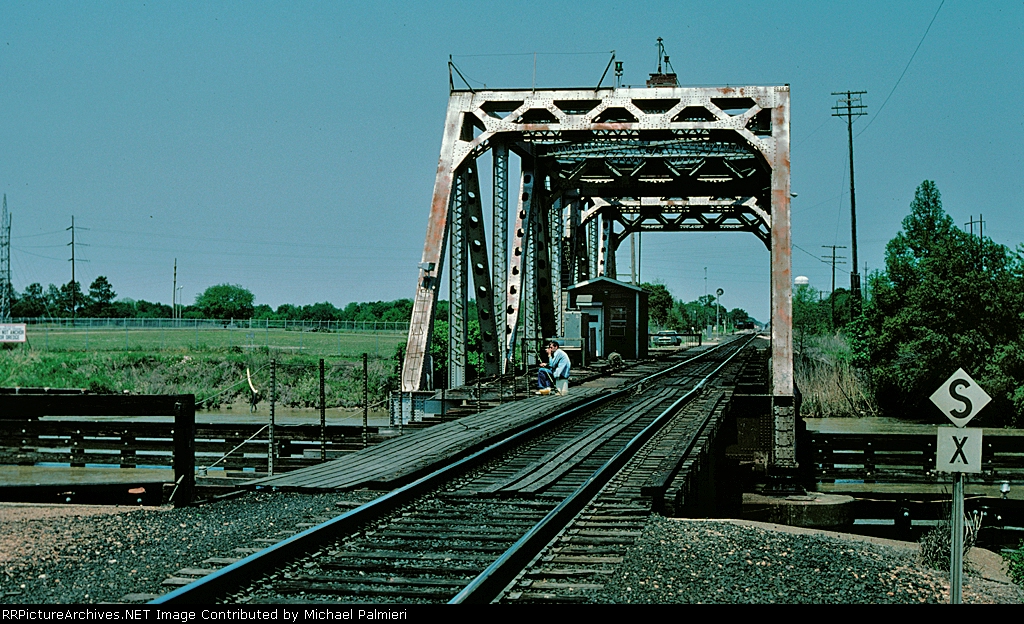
x,y
476,240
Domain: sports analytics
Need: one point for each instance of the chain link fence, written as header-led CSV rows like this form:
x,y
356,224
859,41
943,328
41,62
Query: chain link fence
x,y
315,338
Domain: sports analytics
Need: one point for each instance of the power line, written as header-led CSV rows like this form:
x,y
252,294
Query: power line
x,y
898,80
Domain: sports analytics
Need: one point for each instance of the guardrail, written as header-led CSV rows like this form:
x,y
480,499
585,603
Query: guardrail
x,y
145,444
909,457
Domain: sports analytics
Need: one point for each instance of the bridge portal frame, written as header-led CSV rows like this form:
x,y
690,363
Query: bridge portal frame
x,y
643,159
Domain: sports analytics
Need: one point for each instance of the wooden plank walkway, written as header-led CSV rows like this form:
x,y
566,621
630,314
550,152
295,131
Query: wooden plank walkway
x,y
384,465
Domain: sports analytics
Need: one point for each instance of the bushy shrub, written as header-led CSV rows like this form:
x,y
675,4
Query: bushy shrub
x,y
1015,564
936,543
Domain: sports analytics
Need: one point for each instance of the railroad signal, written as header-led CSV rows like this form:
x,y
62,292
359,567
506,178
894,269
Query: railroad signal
x,y
960,398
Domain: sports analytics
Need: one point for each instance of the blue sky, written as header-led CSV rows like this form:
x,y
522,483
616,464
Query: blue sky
x,y
291,147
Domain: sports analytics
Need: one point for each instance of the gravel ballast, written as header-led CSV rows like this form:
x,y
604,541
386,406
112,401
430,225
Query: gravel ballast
x,y
60,554
702,561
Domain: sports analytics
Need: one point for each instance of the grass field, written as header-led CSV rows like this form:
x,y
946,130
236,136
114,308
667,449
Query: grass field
x,y
284,342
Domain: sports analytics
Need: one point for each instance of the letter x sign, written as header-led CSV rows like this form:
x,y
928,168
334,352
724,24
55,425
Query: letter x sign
x,y
958,449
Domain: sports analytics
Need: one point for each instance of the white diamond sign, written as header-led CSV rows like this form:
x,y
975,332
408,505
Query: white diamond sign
x,y
960,398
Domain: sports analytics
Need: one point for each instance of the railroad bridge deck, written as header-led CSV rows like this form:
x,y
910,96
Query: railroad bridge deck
x,y
416,452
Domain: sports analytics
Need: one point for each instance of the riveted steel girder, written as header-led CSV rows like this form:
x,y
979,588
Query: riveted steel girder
x,y
543,281
518,263
458,286
476,241
499,235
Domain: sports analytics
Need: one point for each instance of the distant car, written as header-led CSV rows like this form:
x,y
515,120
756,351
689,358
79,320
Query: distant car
x,y
667,339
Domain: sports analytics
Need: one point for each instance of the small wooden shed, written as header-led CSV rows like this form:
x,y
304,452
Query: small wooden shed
x,y
615,317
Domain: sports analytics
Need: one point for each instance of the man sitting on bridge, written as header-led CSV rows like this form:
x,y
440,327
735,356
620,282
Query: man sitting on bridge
x,y
545,378
559,365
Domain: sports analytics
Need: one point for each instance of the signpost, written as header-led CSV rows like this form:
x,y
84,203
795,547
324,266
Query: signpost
x,y
12,332
958,450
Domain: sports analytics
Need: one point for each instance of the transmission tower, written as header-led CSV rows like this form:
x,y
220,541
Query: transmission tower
x,y
73,261
6,290
849,105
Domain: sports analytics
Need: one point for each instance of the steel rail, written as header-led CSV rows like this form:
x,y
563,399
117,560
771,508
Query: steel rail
x,y
489,583
235,575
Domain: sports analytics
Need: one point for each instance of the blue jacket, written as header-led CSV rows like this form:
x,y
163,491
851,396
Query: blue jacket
x,y
559,364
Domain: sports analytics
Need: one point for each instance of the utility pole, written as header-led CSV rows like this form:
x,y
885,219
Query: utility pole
x,y
6,289
849,105
981,233
833,260
970,224
632,258
174,293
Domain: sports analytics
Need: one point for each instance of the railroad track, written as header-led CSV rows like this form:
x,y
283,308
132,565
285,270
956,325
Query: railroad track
x,y
466,531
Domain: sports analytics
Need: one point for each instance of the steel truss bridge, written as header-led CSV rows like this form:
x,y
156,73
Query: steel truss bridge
x,y
595,166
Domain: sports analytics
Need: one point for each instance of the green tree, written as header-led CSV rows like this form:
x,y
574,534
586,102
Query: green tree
x,y
100,299
263,311
324,311
68,300
32,303
225,301
659,303
947,299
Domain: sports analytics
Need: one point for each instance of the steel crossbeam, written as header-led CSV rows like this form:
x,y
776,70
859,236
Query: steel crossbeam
x,y
648,159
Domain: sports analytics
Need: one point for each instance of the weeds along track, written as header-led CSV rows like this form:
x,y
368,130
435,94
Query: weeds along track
x,y
464,534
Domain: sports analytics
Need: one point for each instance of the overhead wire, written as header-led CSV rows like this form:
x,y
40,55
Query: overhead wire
x,y
900,79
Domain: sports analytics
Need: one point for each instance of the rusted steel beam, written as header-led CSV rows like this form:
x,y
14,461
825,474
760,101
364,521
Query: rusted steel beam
x,y
783,408
421,323
476,240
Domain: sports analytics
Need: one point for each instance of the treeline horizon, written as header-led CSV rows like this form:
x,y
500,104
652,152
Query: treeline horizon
x,y
223,301
232,301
